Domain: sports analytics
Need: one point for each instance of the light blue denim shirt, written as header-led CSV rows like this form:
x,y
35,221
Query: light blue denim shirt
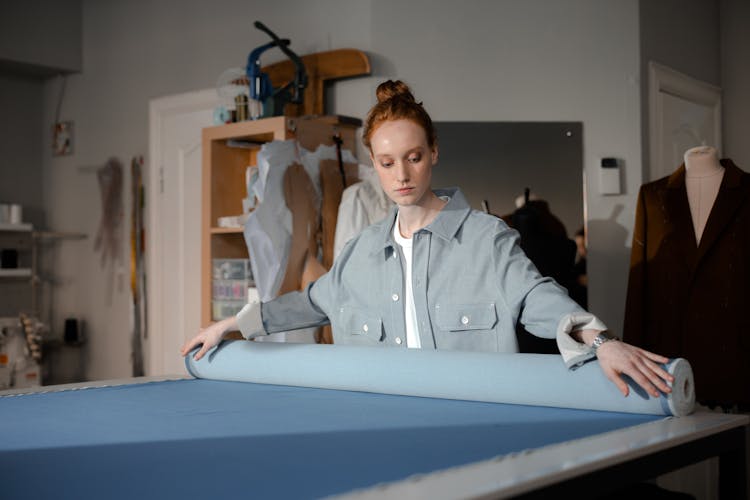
x,y
471,283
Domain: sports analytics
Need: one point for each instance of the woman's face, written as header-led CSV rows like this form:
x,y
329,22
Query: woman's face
x,y
403,160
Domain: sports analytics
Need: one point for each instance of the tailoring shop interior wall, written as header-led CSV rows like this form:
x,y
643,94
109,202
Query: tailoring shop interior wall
x,y
482,60
735,79
709,41
536,61
520,60
683,35
134,51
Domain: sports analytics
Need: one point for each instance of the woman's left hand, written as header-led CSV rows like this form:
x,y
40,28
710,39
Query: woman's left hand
x,y
617,358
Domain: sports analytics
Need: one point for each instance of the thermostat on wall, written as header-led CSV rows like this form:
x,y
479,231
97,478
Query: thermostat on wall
x,y
609,176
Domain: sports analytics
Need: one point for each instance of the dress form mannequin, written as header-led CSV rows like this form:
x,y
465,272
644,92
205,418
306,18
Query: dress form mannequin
x,y
703,176
689,300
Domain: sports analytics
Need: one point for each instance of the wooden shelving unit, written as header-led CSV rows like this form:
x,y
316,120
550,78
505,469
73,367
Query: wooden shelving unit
x,y
223,177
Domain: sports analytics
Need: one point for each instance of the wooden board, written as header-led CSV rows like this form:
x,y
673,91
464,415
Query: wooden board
x,y
299,194
320,67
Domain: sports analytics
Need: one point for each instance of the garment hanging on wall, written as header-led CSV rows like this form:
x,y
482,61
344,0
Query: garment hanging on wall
x,y
268,229
690,299
362,204
109,234
545,241
333,184
137,266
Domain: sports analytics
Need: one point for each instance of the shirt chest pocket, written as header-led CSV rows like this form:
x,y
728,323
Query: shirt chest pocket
x,y
358,327
465,317
466,327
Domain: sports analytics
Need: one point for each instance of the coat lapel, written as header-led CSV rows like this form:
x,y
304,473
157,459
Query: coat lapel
x,y
727,202
678,206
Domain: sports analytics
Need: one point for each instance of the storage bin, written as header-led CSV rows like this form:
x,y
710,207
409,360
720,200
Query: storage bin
x,y
222,309
232,269
230,289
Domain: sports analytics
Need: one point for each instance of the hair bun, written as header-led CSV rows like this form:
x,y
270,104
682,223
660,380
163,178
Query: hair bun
x,y
390,89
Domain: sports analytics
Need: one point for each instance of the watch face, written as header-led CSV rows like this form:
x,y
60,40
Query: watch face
x,y
602,338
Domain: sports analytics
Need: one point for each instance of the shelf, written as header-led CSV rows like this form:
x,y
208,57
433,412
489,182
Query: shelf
x,y
227,151
22,272
58,235
261,130
226,230
4,226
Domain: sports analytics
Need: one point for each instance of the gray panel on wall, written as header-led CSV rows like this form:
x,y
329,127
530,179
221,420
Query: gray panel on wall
x,y
21,145
41,37
496,161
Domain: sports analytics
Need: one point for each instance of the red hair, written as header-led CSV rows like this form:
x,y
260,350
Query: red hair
x,y
396,102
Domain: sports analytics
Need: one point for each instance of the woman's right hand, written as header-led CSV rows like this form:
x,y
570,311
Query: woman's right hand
x,y
209,337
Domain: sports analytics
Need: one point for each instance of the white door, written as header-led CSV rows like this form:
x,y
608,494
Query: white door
x,y
173,236
683,113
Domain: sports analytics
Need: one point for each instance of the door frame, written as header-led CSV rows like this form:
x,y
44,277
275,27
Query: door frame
x,y
159,109
664,80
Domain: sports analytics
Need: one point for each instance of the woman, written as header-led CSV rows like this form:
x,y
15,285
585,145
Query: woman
x,y
436,274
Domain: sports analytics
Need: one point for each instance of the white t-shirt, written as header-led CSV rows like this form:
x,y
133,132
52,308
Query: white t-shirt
x,y
410,313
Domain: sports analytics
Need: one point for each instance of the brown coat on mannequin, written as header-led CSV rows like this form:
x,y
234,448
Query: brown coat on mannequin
x,y
693,301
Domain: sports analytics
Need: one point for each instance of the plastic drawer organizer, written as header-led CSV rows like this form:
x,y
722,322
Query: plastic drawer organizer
x,y
231,280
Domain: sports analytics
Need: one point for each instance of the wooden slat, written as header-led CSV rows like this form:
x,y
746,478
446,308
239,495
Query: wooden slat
x,y
262,130
332,188
313,131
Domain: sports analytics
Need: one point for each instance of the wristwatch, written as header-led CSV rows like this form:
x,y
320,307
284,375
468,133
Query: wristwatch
x,y
603,337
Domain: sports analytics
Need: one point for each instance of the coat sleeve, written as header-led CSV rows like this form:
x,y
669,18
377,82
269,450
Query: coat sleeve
x,y
634,315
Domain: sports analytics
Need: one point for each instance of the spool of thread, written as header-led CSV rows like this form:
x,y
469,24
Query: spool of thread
x,y
240,102
9,258
15,214
4,213
72,334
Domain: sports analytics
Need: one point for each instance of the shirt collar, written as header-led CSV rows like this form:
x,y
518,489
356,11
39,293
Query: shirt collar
x,y
446,224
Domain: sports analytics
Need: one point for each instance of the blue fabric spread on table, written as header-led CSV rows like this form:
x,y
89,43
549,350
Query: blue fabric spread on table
x,y
219,439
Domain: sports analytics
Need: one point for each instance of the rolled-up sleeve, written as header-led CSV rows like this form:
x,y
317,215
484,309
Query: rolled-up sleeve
x,y
296,310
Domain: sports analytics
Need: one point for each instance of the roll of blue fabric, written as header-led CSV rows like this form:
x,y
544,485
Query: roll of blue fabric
x,y
523,379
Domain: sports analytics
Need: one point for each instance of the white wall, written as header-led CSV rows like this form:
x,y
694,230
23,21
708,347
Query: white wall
x,y
525,60
132,52
683,35
535,60
735,79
